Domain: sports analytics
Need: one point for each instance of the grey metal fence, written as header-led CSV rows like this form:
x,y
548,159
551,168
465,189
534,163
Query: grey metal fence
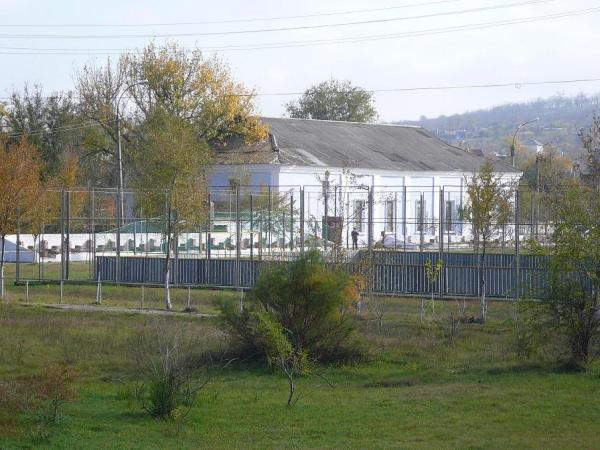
x,y
394,273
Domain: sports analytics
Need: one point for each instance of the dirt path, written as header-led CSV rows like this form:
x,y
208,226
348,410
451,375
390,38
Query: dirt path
x,y
117,309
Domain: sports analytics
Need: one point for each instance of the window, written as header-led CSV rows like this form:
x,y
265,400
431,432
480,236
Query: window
x,y
420,215
450,215
359,214
390,216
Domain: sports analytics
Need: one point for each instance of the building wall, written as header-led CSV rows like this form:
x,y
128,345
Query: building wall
x,y
397,198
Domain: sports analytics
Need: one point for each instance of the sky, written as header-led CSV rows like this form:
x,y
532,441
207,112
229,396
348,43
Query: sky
x,y
413,46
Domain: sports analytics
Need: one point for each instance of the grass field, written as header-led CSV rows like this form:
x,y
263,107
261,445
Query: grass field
x,y
78,270
418,391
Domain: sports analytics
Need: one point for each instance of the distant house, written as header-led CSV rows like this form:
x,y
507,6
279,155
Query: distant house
x,y
533,145
413,176
10,252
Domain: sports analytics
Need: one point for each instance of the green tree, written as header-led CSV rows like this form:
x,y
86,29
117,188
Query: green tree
x,y
45,121
334,100
281,354
169,177
488,209
571,303
308,299
183,83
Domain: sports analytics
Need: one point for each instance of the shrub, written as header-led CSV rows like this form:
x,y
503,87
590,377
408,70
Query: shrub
x,y
169,357
56,388
309,300
40,397
570,304
292,362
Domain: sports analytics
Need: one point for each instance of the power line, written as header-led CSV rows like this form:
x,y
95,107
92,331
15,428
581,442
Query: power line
x,y
515,84
216,22
269,30
406,89
317,42
427,32
60,129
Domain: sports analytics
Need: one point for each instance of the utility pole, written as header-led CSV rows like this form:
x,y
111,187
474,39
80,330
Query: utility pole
x,y
512,147
118,98
119,168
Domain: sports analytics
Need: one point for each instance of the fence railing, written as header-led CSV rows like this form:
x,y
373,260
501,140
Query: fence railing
x,y
393,273
87,235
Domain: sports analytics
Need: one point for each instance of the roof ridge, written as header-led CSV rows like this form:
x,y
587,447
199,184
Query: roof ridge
x,y
345,122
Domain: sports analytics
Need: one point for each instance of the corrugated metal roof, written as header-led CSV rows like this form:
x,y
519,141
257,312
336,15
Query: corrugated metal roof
x,y
308,142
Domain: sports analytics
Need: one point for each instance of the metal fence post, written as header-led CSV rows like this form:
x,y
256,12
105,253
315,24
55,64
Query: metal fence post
x,y
302,220
39,250
370,220
208,228
395,218
442,219
99,289
325,224
62,234
422,223
404,216
442,222
118,238
291,222
18,248
269,238
251,227
93,233
68,231
238,232
517,244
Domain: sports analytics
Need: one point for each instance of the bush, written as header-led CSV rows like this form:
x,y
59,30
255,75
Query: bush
x,y
310,301
570,304
170,358
40,396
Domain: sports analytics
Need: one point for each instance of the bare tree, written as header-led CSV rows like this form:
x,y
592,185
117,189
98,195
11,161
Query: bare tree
x,y
173,365
99,88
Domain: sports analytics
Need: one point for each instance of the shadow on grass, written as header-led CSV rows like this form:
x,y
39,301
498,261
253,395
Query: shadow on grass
x,y
563,367
393,382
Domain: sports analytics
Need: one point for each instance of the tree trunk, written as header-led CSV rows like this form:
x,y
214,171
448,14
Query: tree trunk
x,y
482,283
3,239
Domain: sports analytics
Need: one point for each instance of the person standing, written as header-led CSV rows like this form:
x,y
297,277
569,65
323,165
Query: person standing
x,y
354,239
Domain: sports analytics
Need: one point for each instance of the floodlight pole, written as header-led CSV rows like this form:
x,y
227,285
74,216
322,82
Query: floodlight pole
x,y
119,98
512,147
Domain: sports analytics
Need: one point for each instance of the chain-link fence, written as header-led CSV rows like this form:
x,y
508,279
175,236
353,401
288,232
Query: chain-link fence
x,y
91,234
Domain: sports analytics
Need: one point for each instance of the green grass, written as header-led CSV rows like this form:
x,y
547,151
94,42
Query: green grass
x,y
78,270
418,391
201,300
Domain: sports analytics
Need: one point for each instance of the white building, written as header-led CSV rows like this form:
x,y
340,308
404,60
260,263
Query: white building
x,y
414,177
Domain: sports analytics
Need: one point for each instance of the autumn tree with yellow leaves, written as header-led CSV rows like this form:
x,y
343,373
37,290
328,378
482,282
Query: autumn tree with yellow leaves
x,y
194,88
20,183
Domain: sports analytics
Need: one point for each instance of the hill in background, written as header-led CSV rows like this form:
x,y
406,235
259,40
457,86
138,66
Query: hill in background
x,y
491,130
